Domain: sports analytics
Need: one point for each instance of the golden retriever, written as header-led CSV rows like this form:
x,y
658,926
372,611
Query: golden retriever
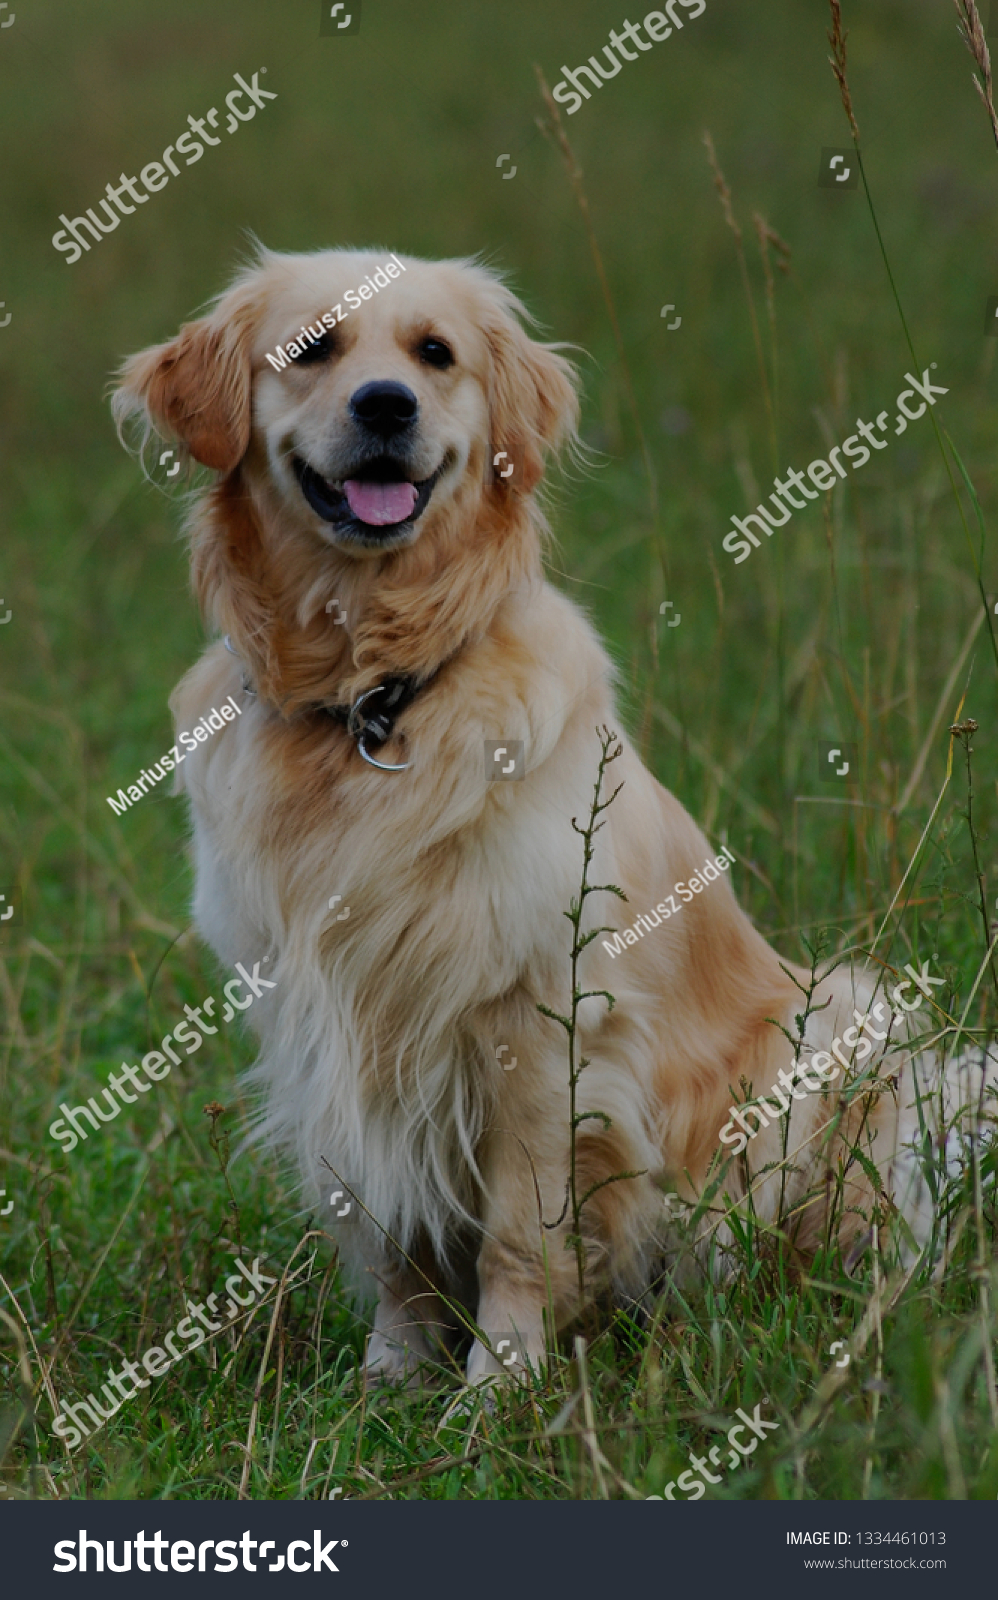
x,y
370,474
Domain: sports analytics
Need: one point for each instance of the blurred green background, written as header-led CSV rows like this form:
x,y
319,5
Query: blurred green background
x,y
848,624
391,136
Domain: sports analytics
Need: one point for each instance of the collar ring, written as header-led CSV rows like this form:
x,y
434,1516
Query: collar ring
x,y
360,728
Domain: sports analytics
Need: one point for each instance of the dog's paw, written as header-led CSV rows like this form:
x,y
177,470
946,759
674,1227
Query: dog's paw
x,y
398,1364
469,1403
506,1360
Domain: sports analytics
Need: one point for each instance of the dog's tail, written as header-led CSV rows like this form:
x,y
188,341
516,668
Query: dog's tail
x,y
947,1117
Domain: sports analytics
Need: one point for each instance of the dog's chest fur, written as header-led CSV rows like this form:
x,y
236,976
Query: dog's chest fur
x,y
377,1042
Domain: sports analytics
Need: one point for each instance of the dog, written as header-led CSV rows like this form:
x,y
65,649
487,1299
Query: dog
x,y
372,471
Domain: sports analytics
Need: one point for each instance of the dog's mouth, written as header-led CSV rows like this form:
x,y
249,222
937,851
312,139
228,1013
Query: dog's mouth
x,y
378,502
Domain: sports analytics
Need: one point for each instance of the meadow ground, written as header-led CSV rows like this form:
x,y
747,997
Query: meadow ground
x,y
860,622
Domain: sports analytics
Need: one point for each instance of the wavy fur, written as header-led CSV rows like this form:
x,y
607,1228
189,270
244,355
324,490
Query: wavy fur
x,y
378,1045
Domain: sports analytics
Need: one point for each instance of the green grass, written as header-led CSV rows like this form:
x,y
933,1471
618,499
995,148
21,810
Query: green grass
x,y
848,625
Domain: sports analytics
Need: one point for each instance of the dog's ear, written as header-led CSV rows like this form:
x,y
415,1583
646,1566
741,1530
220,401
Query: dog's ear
x,y
196,389
533,401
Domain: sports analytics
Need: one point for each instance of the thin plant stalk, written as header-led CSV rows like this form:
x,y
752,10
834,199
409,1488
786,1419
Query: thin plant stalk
x,y
575,178
983,1270
578,1064
659,547
589,1435
763,232
768,236
837,38
879,1369
976,42
724,192
964,731
219,1143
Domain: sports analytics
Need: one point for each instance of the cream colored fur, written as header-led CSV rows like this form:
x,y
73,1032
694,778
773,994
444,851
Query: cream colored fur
x,y
378,1043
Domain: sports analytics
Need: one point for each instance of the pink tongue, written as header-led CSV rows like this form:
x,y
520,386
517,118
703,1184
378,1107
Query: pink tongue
x,y
380,503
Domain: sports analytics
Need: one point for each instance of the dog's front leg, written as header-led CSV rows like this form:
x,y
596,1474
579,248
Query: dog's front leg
x,y
410,1329
514,1277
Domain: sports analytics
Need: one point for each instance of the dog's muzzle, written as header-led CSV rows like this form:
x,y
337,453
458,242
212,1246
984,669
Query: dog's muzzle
x,y
375,505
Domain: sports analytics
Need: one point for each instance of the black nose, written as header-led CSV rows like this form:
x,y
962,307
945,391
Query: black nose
x,y
385,408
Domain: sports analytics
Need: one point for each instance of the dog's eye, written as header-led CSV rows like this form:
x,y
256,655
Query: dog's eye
x,y
436,353
317,351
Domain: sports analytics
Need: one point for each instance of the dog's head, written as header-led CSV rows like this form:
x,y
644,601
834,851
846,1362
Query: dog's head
x,y
392,386
363,452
